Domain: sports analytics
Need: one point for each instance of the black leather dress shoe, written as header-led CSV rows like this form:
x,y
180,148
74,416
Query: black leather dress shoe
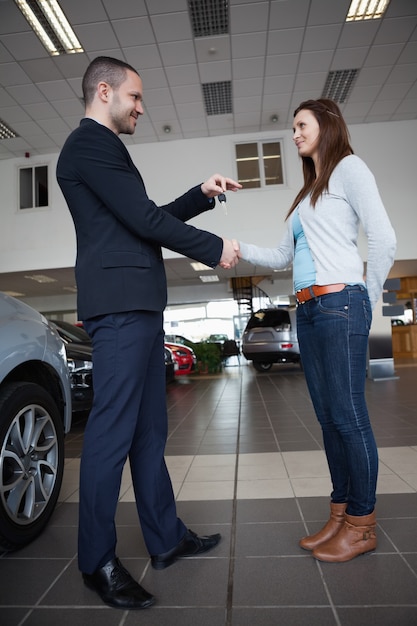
x,y
190,545
117,588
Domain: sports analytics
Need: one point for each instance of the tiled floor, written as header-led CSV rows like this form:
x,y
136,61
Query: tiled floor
x,y
246,460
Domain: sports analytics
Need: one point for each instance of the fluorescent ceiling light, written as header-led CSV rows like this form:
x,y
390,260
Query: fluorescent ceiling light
x,y
366,10
213,278
6,132
50,25
14,294
200,267
41,278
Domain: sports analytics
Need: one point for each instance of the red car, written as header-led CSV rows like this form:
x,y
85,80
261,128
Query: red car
x,y
184,356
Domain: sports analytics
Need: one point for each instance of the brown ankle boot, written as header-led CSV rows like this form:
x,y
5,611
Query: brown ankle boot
x,y
329,530
356,537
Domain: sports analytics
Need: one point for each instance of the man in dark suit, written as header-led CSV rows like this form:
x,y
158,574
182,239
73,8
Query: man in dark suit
x,y
121,297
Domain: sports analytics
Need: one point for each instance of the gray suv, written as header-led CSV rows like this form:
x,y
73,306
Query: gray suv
x,y
270,337
35,414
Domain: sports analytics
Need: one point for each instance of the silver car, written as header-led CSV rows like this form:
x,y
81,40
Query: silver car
x,y
270,337
35,414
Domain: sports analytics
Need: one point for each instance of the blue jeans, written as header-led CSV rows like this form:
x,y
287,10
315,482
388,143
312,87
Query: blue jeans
x,y
333,334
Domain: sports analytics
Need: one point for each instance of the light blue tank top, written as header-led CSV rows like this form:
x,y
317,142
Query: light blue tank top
x,y
304,273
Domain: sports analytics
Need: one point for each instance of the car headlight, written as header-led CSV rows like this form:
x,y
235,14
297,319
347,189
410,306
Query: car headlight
x,y
75,365
81,373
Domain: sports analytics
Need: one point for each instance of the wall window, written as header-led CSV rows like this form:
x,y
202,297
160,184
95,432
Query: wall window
x,y
33,187
259,164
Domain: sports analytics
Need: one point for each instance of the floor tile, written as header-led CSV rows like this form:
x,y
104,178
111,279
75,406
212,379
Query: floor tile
x,y
281,581
246,458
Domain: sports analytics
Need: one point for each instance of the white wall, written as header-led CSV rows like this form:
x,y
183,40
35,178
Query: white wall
x,y
44,238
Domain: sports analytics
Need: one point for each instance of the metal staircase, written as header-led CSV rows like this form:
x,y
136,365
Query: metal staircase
x,y
246,291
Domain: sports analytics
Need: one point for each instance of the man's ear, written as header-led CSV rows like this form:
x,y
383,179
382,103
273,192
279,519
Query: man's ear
x,y
103,90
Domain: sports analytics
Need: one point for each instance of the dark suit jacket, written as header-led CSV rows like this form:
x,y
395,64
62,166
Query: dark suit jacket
x,y
119,230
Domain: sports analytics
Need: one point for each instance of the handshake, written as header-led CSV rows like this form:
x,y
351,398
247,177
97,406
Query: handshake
x,y
230,255
214,186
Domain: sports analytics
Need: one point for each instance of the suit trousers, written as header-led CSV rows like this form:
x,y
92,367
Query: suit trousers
x,y
128,419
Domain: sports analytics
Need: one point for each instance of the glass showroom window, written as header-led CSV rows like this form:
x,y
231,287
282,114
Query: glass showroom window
x,y
259,164
33,187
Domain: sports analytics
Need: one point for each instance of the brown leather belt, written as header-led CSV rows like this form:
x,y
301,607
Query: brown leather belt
x,y
308,293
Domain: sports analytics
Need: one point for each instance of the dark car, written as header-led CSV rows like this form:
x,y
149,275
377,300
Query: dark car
x,y
80,363
79,353
170,365
270,337
35,414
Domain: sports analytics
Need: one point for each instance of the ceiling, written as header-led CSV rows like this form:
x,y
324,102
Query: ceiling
x,y
275,54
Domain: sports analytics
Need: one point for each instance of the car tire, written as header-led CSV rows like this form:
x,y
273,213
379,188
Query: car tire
x,y
260,366
31,462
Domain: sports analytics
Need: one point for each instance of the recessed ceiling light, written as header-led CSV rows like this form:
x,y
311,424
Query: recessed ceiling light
x,y
49,23
366,10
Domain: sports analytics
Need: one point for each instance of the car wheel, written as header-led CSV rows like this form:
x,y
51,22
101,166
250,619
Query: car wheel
x,y
31,462
260,366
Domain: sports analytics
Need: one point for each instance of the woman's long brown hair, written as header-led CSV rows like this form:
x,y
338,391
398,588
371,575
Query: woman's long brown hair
x,y
334,145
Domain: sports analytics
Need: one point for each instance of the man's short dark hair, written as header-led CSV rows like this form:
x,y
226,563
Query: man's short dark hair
x,y
107,69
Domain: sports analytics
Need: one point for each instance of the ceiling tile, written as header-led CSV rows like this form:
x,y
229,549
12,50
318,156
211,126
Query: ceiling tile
x,y
13,74
82,12
358,33
143,57
288,14
177,52
133,31
125,8
212,48
40,111
249,17
24,46
285,41
321,37
276,53
249,45
70,107
172,26
383,55
26,94
182,75
72,65
40,70
215,72
395,30
14,114
56,90
92,36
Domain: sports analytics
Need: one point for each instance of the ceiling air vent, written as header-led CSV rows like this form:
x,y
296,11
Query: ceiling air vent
x,y
339,85
218,97
209,17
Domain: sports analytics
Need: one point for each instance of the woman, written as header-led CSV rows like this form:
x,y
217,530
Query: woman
x,y
334,313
